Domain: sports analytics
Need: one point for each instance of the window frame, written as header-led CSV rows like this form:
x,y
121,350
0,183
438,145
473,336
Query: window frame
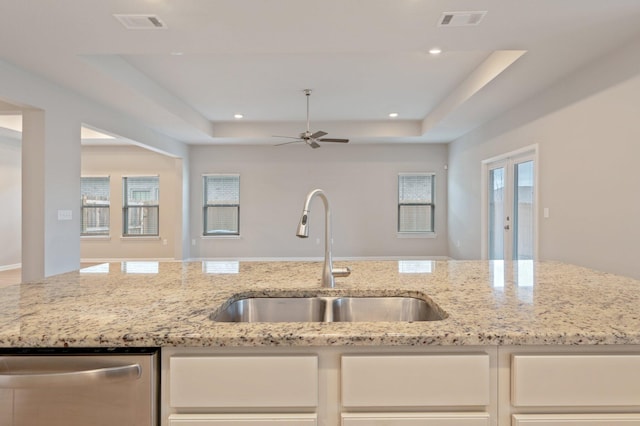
x,y
206,206
126,206
106,204
430,204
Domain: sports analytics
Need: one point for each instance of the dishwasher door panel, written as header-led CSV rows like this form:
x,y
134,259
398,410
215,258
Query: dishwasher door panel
x,y
78,390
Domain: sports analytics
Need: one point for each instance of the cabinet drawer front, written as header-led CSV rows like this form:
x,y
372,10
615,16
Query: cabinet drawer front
x,y
242,419
575,380
416,419
576,420
263,381
415,381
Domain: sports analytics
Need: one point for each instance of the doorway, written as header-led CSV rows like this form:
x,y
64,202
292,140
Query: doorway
x,y
510,206
10,193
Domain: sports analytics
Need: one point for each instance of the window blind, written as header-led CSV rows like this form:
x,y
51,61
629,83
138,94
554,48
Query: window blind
x,y
415,202
94,217
221,204
141,210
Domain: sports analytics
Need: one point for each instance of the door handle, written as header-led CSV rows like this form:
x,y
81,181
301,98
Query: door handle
x,y
29,373
506,227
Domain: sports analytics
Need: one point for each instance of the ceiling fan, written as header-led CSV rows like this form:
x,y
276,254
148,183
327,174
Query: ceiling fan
x,y
307,137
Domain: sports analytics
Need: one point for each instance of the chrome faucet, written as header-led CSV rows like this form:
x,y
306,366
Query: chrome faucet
x,y
328,272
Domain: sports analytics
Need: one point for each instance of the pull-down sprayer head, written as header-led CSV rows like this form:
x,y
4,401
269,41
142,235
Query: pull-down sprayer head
x,y
303,227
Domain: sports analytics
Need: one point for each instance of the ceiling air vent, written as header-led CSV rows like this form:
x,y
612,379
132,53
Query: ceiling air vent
x,y
141,22
461,19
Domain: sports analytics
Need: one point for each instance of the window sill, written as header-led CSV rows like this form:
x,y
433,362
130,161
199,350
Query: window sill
x,y
140,238
429,235
96,237
221,236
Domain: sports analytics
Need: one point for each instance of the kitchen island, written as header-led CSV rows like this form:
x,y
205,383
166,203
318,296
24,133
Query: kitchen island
x,y
169,304
523,343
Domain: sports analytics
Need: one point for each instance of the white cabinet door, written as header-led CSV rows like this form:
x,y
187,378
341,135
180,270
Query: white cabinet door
x,y
576,420
415,419
575,380
243,381
242,420
415,380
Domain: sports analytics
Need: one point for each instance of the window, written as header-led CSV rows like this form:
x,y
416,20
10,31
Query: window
x,y
94,217
221,210
140,211
415,202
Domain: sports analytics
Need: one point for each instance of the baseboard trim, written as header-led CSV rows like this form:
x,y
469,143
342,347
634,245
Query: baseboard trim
x,y
10,267
128,259
316,259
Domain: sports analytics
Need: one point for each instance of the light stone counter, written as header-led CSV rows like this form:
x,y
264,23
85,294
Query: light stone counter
x,y
488,303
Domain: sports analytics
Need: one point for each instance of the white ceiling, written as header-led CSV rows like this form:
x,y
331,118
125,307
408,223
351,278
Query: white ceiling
x,y
363,59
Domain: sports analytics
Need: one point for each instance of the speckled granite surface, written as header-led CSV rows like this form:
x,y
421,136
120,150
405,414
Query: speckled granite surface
x,y
168,304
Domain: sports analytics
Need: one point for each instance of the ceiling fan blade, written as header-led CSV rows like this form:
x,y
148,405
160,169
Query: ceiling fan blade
x,y
287,143
333,140
286,137
307,137
318,134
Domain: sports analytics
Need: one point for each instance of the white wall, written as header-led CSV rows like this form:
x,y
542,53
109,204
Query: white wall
x,y
588,132
120,161
10,200
52,117
360,182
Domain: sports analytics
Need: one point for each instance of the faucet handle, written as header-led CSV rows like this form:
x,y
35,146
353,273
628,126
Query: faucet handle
x,y
341,272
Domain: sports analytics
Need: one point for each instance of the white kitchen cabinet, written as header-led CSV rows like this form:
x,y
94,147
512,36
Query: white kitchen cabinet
x,y
435,382
575,380
329,386
576,420
569,386
416,419
415,380
242,420
243,381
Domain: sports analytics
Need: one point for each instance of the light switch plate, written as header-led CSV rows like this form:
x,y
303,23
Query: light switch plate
x,y
65,215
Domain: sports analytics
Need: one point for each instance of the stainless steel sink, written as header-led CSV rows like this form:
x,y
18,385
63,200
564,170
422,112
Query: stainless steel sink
x,y
383,309
274,309
329,309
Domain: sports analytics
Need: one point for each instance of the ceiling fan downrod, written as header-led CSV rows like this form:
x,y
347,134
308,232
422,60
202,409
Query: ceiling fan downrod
x,y
307,93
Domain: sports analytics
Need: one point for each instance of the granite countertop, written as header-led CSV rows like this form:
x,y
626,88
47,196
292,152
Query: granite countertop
x,y
169,304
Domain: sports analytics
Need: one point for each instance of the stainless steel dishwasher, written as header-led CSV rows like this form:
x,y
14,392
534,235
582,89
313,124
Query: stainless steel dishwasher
x,y
72,387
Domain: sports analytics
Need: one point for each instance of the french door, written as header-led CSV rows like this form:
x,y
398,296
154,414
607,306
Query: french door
x,y
511,207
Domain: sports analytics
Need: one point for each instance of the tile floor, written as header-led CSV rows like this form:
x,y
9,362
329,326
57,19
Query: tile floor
x,y
12,276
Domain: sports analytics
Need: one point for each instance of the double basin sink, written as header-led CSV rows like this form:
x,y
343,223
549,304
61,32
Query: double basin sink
x,y
329,309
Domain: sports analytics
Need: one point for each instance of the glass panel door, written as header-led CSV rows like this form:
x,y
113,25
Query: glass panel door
x,y
496,212
523,211
511,209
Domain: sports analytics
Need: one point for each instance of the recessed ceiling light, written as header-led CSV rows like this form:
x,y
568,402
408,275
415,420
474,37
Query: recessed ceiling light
x,y
393,114
435,51
238,116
